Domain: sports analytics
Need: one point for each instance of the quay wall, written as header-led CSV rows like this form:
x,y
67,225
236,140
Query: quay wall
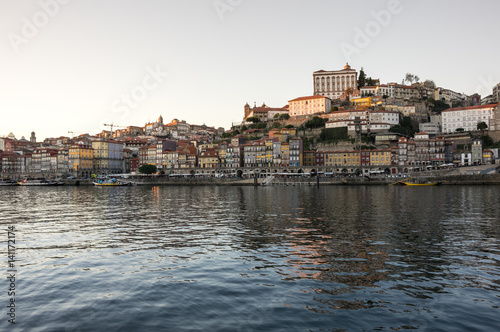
x,y
476,179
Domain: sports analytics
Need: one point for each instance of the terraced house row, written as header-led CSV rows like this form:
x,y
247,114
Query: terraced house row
x,y
279,149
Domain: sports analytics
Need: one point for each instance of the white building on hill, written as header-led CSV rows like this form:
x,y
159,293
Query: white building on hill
x,y
468,117
332,84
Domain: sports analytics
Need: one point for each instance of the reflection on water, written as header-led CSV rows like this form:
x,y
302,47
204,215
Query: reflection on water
x,y
243,258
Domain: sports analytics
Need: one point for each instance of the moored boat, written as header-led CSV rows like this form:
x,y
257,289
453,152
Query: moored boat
x,y
8,183
40,182
419,184
112,183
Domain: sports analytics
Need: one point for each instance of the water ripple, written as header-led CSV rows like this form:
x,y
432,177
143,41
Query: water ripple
x,y
253,259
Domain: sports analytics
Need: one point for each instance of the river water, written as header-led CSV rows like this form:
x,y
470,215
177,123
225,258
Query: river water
x,y
334,258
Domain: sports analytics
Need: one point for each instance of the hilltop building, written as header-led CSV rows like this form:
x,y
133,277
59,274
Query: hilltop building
x,y
332,84
310,105
263,113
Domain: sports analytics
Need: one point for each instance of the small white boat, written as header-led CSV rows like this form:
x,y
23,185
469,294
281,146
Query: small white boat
x,y
112,183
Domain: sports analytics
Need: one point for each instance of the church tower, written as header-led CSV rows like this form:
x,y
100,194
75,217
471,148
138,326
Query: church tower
x,y
33,137
247,111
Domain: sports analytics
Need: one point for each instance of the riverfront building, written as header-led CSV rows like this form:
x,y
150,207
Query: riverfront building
x,y
108,157
81,159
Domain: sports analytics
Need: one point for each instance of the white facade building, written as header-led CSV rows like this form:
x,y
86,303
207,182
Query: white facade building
x,y
368,118
337,124
332,84
388,117
448,95
468,117
309,105
367,128
368,91
346,115
431,128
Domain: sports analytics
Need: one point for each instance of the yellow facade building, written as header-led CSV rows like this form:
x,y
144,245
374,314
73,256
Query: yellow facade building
x,y
380,157
81,159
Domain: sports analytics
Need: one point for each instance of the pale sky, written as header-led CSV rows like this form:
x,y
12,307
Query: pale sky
x,y
72,65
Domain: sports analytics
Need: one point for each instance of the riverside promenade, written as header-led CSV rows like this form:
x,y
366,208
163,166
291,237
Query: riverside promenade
x,y
444,179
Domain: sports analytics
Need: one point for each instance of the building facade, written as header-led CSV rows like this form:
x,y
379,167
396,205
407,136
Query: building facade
x,y
309,105
332,84
496,93
467,118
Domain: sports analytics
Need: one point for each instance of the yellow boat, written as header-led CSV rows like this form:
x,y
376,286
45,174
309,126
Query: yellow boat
x,y
419,184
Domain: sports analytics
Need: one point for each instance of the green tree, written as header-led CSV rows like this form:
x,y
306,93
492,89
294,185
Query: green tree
x,y
405,127
148,169
284,116
430,84
361,78
334,134
370,81
437,106
409,78
306,143
253,119
315,122
482,126
460,130
289,126
334,109
243,128
487,141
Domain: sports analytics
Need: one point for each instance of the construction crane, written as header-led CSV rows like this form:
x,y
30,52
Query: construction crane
x,y
76,132
113,125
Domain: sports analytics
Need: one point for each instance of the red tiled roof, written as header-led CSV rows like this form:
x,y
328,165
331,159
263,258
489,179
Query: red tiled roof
x,y
268,109
471,107
308,98
384,111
